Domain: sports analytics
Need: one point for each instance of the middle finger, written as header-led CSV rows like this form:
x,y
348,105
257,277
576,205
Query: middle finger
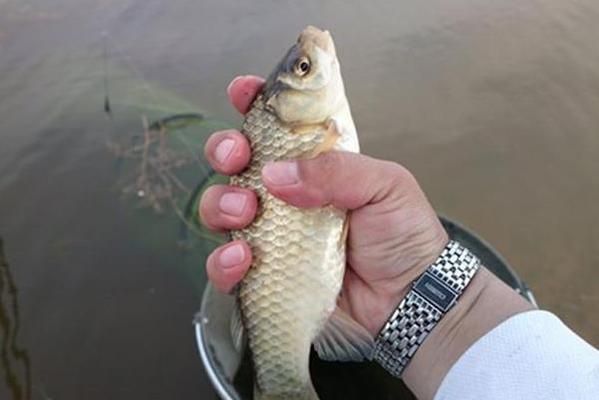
x,y
225,207
228,152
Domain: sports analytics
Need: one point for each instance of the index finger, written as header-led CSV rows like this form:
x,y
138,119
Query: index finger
x,y
243,90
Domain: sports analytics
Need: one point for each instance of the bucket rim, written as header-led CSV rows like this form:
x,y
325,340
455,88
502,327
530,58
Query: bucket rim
x,y
223,389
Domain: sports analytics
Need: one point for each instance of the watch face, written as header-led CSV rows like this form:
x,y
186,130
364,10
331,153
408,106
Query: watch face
x,y
436,292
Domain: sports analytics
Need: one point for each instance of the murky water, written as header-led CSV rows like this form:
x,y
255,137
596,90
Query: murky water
x,y
493,105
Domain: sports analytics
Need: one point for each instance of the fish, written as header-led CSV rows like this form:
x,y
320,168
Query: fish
x,y
288,299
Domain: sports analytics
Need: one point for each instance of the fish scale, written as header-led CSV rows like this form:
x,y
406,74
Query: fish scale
x,y
298,263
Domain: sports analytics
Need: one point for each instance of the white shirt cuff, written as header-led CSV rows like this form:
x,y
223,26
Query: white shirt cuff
x,y
532,355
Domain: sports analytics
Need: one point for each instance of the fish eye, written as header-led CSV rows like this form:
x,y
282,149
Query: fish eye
x,y
302,66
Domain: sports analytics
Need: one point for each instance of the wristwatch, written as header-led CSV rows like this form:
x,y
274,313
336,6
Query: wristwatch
x,y
432,295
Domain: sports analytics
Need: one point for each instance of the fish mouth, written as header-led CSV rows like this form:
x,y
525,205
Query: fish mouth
x,y
318,37
312,42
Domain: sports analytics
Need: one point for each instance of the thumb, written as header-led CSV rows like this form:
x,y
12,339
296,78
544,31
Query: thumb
x,y
342,179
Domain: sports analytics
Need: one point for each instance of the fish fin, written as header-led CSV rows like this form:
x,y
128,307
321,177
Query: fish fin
x,y
344,232
331,136
343,339
302,129
237,330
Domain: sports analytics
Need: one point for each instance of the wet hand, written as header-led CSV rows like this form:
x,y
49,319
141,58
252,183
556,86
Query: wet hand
x,y
394,232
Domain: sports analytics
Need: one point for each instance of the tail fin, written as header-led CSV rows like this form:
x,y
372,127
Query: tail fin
x,y
308,393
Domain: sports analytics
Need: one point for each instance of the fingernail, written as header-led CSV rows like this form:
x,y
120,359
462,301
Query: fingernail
x,y
223,150
231,256
233,203
232,83
281,173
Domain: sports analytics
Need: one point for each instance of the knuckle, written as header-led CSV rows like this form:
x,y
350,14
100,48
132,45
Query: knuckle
x,y
400,175
395,182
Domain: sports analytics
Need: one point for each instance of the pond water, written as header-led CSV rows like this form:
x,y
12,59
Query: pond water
x,y
493,105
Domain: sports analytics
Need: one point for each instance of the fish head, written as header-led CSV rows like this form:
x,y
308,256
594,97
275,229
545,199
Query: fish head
x,y
306,86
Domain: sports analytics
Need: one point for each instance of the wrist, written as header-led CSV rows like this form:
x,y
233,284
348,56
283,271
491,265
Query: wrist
x,y
484,304
388,294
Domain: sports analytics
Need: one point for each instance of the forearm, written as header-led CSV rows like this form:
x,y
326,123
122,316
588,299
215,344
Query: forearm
x,y
484,304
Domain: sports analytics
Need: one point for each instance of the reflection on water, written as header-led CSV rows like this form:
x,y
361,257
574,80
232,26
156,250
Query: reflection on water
x,y
15,361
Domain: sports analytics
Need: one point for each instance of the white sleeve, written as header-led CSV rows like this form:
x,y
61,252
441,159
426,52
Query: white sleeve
x,y
530,356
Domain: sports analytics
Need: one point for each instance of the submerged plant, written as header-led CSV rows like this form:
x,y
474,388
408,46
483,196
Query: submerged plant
x,y
166,174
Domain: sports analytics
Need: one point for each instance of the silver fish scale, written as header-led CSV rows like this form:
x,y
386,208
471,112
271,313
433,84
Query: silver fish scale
x,y
298,263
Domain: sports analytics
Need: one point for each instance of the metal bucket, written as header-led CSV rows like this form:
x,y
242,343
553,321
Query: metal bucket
x,y
231,373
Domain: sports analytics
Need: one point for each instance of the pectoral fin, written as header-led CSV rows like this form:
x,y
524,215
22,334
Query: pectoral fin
x,y
344,233
331,136
237,330
343,339
302,129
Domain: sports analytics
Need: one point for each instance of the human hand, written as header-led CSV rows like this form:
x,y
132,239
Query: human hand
x,y
394,234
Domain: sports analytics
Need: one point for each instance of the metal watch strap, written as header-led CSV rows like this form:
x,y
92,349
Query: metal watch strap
x,y
432,295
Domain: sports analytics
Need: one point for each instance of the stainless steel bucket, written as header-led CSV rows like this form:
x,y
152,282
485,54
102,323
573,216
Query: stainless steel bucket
x,y
230,372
